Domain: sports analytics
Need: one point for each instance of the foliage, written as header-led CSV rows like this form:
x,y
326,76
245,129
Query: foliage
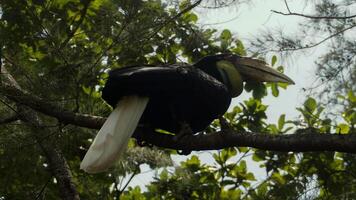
x,y
61,51
334,22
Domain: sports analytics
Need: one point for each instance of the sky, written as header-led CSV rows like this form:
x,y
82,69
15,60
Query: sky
x,y
245,22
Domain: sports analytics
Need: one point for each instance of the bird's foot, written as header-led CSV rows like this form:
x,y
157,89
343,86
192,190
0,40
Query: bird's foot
x,y
138,134
184,130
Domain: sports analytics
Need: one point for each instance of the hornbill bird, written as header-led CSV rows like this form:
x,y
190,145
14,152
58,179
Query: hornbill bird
x,y
170,96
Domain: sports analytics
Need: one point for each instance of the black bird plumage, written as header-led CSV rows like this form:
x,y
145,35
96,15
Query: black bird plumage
x,y
178,94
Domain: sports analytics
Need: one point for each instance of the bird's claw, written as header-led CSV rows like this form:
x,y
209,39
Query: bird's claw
x,y
184,130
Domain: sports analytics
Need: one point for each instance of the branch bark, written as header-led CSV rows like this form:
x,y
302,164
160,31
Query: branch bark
x,y
22,97
285,143
301,142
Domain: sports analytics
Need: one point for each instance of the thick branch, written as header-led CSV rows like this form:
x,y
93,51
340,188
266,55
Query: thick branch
x,y
294,142
301,142
22,97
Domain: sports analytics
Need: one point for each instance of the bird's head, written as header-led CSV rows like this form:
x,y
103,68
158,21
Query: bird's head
x,y
233,70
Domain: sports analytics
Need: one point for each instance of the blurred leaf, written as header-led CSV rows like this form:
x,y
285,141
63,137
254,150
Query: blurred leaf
x,y
280,69
225,35
310,105
275,91
259,92
274,60
342,128
281,121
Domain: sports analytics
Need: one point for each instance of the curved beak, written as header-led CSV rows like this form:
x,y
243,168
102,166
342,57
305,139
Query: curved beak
x,y
258,70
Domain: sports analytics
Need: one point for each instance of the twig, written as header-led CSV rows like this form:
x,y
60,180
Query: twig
x,y
310,16
287,6
38,196
313,17
127,183
321,41
80,21
187,9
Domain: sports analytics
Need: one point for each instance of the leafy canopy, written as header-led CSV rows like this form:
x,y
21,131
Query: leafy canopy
x,y
61,50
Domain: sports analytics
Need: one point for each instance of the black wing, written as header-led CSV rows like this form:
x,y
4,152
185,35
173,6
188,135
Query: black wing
x,y
163,81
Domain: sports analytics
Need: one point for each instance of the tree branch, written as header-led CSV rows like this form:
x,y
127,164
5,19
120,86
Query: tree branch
x,y
310,16
58,165
293,142
24,98
10,119
301,142
320,42
313,17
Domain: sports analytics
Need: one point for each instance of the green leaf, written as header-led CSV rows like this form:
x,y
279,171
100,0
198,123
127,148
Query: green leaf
x,y
281,121
228,153
258,156
273,129
250,176
274,60
193,163
164,174
225,38
278,178
225,35
260,91
239,49
243,149
190,17
275,91
227,182
310,105
342,128
283,85
242,166
249,86
351,96
280,69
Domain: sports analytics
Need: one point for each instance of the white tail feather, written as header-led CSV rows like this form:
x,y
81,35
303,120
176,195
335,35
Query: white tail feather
x,y
112,139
